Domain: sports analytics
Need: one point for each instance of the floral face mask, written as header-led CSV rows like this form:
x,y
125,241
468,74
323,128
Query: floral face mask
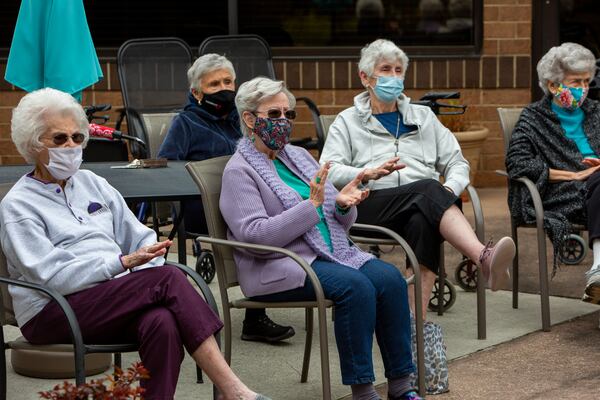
x,y
570,98
274,132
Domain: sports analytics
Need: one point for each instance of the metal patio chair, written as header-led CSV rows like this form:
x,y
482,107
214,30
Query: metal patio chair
x,y
77,347
251,57
208,174
575,247
467,274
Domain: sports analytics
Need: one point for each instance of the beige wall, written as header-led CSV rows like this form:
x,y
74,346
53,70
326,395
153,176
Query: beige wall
x,y
499,77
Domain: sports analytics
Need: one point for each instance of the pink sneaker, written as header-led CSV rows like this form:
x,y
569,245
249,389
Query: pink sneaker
x,y
495,262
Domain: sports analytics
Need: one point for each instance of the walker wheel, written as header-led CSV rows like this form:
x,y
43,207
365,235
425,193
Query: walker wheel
x,y
465,275
449,296
205,266
573,250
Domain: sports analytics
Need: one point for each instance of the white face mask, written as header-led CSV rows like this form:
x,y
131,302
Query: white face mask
x,y
64,162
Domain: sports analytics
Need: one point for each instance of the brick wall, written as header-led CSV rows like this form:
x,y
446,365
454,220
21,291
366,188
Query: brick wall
x,y
499,77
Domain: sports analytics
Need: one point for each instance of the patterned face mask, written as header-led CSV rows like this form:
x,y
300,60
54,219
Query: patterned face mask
x,y
274,132
570,98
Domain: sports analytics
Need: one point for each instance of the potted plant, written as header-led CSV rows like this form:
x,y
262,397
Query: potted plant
x,y
470,137
121,386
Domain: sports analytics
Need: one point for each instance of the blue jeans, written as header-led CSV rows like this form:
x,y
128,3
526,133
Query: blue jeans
x,y
372,299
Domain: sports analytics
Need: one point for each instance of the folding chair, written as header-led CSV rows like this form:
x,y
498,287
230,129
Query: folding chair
x,y
153,76
468,276
208,174
251,57
574,249
80,350
154,85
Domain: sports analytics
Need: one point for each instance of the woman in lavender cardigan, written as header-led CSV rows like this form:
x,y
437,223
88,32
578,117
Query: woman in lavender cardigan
x,y
276,194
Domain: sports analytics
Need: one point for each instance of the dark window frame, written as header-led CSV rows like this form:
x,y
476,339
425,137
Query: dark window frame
x,y
341,52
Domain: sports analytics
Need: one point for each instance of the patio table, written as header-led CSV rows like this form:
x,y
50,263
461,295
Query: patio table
x,y
172,183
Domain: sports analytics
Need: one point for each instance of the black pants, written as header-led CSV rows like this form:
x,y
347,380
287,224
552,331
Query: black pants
x,y
593,207
414,212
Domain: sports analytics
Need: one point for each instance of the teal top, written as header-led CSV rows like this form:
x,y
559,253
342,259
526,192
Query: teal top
x,y
293,181
52,47
392,121
572,123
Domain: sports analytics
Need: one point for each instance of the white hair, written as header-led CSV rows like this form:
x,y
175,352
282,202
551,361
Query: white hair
x,y
381,50
30,119
206,64
564,59
251,94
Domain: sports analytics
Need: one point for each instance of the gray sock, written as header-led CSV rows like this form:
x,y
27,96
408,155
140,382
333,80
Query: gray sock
x,y
364,391
398,386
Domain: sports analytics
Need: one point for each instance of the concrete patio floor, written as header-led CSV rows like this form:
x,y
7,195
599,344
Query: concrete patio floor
x,y
275,369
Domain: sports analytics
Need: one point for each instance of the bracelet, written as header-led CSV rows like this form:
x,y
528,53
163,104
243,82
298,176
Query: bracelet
x,y
341,210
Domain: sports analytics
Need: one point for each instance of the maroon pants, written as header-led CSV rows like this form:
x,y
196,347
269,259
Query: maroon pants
x,y
155,307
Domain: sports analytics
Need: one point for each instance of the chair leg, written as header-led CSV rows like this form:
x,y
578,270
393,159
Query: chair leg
x,y
544,291
324,348
199,378
79,355
441,281
307,344
515,271
227,329
481,310
3,367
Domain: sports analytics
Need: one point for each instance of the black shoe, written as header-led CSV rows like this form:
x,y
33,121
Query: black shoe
x,y
265,330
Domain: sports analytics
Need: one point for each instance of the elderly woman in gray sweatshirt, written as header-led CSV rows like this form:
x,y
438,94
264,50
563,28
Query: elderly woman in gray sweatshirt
x,y
68,229
402,150
276,194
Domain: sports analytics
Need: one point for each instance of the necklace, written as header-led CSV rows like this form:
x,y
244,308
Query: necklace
x,y
398,126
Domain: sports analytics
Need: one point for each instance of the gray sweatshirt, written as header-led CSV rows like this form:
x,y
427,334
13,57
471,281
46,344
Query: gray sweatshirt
x,y
68,239
356,140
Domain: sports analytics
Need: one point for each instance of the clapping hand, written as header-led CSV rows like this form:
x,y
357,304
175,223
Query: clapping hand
x,y
384,169
317,185
352,194
145,254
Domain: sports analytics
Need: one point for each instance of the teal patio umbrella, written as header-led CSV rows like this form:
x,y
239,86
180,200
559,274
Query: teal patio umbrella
x,y
52,47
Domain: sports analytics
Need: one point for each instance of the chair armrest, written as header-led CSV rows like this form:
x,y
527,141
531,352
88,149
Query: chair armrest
x,y
477,212
251,246
62,303
206,292
533,192
535,197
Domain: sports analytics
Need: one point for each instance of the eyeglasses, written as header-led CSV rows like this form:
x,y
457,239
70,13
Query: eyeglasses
x,y
62,138
276,113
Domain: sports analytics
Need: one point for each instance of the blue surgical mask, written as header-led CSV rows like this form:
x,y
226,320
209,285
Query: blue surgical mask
x,y
388,88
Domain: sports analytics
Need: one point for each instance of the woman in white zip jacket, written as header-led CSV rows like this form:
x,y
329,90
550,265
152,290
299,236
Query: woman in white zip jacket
x,y
404,149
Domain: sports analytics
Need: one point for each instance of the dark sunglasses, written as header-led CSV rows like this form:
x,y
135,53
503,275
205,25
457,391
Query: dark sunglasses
x,y
276,113
62,138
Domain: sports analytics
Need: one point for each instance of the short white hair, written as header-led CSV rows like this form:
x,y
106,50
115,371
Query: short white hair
x,y
564,59
251,94
30,119
381,50
206,64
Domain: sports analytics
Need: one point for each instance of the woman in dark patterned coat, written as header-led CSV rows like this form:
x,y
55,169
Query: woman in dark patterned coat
x,y
556,144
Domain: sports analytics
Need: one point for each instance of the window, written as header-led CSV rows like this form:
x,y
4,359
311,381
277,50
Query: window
x,y
351,23
294,28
